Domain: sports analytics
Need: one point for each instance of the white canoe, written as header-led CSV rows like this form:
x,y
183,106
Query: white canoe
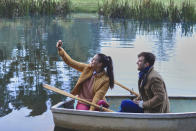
x,y
181,118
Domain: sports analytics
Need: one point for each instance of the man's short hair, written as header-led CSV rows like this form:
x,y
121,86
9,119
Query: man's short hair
x,y
148,57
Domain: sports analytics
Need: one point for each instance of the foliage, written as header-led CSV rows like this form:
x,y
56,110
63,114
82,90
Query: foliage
x,y
150,10
12,8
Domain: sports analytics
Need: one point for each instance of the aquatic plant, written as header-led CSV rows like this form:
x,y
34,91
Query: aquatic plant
x,y
12,8
188,12
151,10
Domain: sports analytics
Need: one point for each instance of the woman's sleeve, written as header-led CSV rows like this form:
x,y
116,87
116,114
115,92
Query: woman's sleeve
x,y
99,95
69,61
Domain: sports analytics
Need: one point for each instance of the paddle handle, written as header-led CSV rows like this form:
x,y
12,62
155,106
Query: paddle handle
x,y
74,97
132,92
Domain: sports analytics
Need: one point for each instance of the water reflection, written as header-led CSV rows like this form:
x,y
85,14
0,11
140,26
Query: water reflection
x,y
32,60
28,57
117,33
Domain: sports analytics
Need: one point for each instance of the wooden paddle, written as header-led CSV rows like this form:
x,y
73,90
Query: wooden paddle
x,y
132,92
74,97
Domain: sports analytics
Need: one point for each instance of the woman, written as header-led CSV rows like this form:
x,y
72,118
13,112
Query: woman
x,y
94,81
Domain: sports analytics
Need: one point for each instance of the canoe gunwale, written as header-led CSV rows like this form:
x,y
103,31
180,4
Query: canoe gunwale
x,y
173,97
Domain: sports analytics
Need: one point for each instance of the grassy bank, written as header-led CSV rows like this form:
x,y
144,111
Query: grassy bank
x,y
89,6
177,2
12,8
153,10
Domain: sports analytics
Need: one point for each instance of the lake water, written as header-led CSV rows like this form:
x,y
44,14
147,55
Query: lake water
x,y
28,58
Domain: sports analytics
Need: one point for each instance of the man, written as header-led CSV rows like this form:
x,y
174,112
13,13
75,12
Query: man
x,y
153,94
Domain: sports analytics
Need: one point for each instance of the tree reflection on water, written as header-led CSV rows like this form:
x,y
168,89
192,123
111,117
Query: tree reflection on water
x,y
28,58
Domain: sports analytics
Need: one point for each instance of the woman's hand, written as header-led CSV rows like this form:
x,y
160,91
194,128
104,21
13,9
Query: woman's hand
x,y
59,44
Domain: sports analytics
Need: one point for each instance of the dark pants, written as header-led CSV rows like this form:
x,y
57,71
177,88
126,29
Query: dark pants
x,y
130,106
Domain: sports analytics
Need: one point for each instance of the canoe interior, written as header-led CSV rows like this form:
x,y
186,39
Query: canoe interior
x,y
177,104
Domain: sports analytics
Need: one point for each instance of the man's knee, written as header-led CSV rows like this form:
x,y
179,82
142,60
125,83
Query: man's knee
x,y
124,103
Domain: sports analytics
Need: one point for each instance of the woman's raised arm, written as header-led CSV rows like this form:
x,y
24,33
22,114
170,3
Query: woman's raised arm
x,y
68,60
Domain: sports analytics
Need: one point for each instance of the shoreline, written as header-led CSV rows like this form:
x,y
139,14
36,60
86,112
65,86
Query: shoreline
x,y
142,10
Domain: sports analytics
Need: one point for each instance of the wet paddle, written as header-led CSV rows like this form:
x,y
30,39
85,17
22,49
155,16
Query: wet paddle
x,y
132,92
74,97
